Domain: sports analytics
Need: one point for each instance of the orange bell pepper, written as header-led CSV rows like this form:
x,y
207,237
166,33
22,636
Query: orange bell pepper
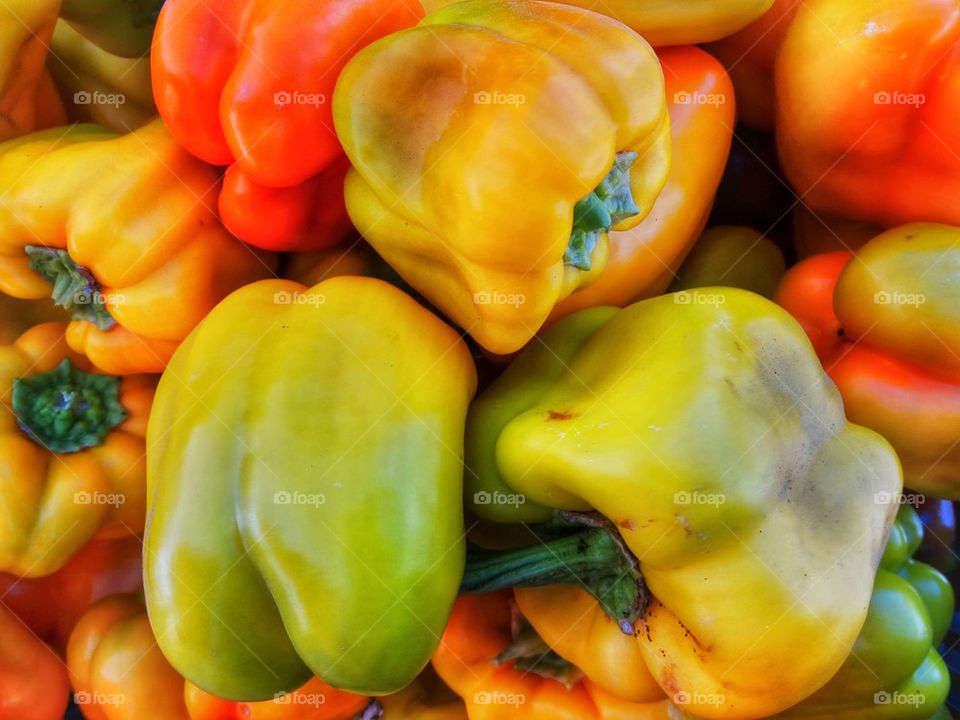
x,y
116,668
868,94
884,323
315,700
480,629
641,261
33,680
51,605
249,84
119,229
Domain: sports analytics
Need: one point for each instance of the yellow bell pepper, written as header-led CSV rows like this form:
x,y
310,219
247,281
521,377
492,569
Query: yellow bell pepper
x,y
123,232
69,471
702,429
493,147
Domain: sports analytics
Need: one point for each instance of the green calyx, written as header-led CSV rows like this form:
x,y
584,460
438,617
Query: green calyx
x,y
530,654
74,287
67,410
610,203
575,549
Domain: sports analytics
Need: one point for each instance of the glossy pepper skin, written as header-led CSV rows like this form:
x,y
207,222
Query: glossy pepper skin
x,y
642,261
662,22
69,473
338,527
28,97
732,256
893,670
512,116
33,680
51,605
109,90
890,155
248,84
478,632
145,256
116,668
315,700
658,416
885,325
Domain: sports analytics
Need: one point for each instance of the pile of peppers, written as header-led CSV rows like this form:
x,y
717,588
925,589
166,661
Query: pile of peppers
x,y
479,359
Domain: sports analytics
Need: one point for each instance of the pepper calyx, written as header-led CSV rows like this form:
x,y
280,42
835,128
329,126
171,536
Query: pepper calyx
x,y
74,286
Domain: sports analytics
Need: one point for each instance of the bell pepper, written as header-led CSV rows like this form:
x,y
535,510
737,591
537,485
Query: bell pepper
x,y
701,445
116,668
662,22
893,670
51,605
867,106
315,700
885,325
339,527
248,84
33,680
99,87
642,261
118,231
72,453
471,659
749,56
493,147
737,257
28,97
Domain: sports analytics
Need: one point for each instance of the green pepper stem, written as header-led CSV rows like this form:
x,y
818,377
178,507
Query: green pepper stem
x,y
594,558
610,203
74,286
67,410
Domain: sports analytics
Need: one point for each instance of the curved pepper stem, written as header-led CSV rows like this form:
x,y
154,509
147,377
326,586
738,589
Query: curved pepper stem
x,y
74,287
593,557
67,410
610,203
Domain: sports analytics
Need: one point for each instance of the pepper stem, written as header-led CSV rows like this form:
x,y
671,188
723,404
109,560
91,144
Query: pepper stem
x,y
594,557
610,203
74,286
530,653
67,410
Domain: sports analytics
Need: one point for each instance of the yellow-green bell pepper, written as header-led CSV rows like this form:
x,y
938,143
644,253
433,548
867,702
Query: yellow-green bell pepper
x,y
737,513
304,483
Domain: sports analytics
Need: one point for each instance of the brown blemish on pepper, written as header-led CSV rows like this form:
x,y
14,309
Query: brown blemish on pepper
x,y
627,524
559,415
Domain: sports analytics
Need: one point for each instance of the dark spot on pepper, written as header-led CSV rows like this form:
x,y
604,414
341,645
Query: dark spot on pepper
x,y
559,415
841,332
627,524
